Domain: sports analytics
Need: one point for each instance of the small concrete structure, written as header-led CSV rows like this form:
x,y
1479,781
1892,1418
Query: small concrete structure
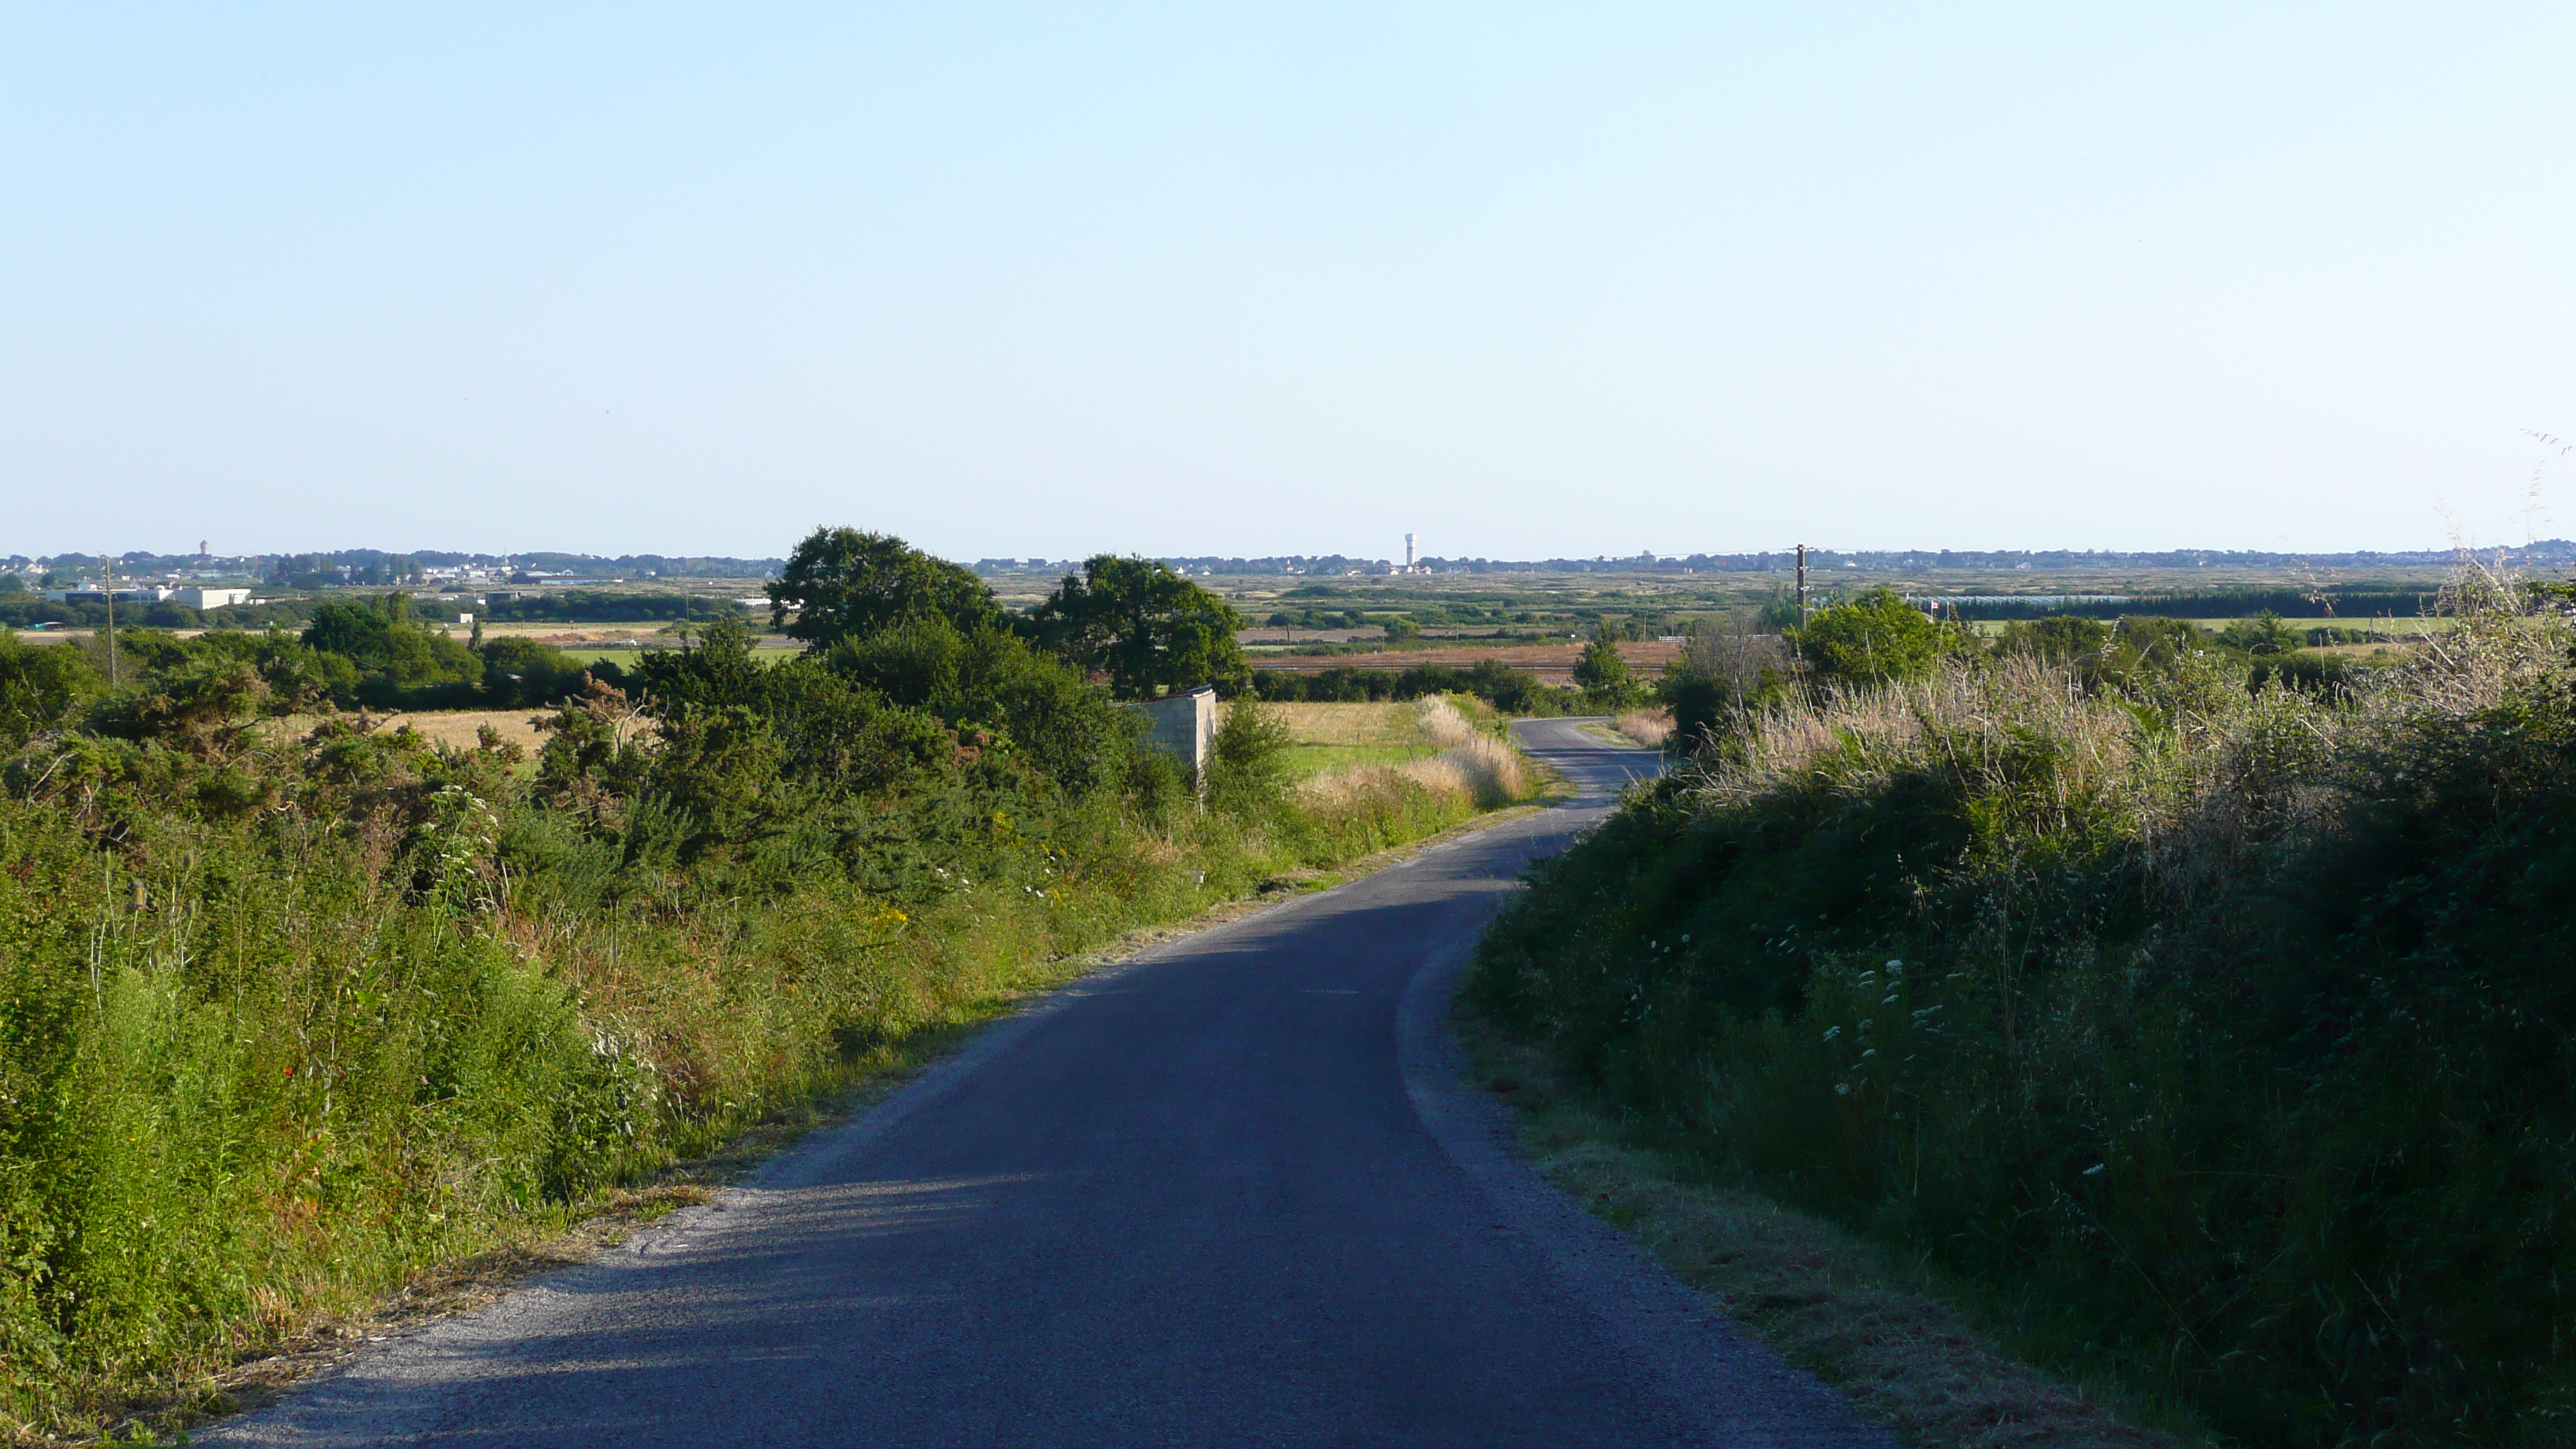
x,y
1182,723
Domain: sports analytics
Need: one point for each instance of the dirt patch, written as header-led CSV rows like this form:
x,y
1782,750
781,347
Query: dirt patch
x,y
456,728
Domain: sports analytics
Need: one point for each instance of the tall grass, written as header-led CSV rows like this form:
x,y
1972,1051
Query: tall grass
x,y
2221,1038
257,1069
1473,769
1648,727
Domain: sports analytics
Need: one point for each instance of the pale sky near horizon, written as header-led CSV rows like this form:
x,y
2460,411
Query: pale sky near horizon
x,y
1525,280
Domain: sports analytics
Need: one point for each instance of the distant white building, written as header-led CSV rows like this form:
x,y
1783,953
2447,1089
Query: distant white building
x,y
211,598
148,594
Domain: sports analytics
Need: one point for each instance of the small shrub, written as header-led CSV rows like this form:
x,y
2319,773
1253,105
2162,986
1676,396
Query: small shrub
x,y
1247,773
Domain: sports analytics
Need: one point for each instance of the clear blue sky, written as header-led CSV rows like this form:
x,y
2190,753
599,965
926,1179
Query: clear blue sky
x,y
1218,279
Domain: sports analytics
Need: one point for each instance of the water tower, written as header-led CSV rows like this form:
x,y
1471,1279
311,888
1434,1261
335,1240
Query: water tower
x,y
1408,553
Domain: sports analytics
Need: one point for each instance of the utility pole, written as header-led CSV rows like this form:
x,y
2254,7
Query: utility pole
x,y
1802,586
110,592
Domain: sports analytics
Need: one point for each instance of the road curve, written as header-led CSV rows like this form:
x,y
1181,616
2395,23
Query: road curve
x,y
1231,1192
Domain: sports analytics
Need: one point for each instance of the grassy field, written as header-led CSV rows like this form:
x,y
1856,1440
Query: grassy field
x,y
1342,739
1342,736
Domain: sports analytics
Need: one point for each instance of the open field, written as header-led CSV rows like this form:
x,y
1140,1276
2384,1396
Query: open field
x,y
1342,736
455,728
2410,626
1328,737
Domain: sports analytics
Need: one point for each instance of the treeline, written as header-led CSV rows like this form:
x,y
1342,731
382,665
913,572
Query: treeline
x,y
374,654
2214,1035
26,611
629,565
1513,691
593,606
2356,603
568,606
363,568
287,1017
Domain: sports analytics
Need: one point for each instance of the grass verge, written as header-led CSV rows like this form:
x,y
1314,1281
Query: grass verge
x,y
331,1330
1882,1331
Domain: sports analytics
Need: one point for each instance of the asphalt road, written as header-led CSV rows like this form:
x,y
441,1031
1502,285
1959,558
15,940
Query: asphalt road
x,y
1232,1192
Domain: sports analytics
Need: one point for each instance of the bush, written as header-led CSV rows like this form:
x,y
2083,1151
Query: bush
x,y
1877,638
40,687
2220,1035
1721,675
523,674
1248,774
399,664
286,1021
1602,674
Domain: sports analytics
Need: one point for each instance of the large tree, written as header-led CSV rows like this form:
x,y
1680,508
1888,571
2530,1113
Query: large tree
x,y
388,645
1874,639
1144,626
844,584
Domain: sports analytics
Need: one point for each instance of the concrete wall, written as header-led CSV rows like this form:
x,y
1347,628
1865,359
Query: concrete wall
x,y
1182,724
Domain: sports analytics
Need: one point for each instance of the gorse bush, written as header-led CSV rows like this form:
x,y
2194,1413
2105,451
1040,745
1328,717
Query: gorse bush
x,y
2222,1038
285,1020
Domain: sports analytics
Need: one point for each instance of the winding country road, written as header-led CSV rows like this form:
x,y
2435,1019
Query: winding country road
x,y
1231,1192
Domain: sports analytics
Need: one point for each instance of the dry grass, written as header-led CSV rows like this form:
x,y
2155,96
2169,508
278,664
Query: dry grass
x,y
1485,770
1438,720
457,728
1471,764
1648,727
1827,1301
2239,771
